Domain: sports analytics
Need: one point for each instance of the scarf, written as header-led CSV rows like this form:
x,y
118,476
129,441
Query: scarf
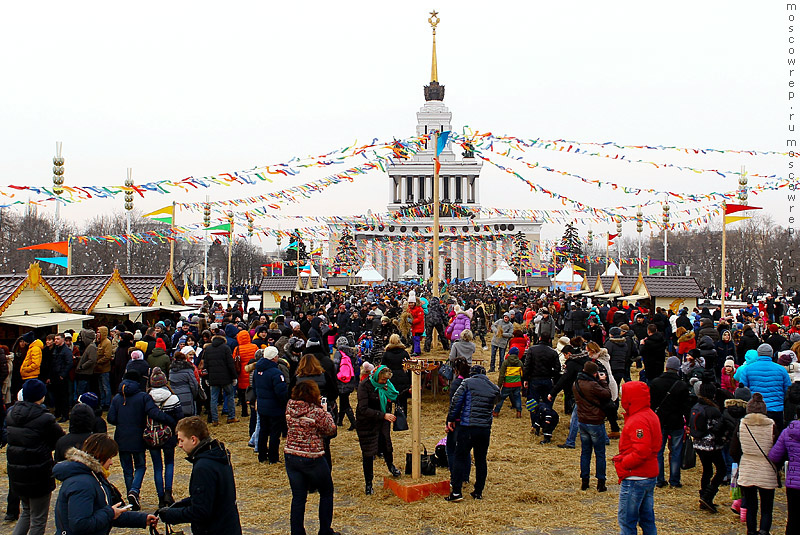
x,y
387,392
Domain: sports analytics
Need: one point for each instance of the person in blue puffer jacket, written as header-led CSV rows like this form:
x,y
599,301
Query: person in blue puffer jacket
x,y
472,404
768,378
87,503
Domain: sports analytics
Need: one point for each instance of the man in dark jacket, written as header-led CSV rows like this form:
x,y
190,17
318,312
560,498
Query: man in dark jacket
x,y
81,423
435,321
575,362
217,360
669,399
591,393
619,353
272,394
540,371
32,436
472,406
707,329
59,377
709,353
85,368
211,506
683,320
748,341
128,412
653,352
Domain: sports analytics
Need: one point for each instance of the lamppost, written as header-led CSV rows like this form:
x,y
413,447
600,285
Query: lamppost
x,y
665,220
639,229
58,182
206,224
619,245
128,208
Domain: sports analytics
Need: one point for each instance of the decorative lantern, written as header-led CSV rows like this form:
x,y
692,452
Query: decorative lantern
x,y
129,192
58,171
639,222
207,215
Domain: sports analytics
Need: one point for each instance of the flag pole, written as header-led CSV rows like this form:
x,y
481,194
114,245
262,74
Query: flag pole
x,y
608,239
722,302
172,243
435,257
230,253
69,255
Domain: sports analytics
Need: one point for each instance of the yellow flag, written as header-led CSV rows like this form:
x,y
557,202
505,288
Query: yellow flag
x,y
578,268
165,215
734,218
185,290
154,297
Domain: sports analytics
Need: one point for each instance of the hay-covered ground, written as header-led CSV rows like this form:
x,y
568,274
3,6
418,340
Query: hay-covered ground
x,y
531,488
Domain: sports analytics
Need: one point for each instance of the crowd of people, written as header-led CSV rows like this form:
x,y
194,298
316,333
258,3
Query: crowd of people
x,y
727,384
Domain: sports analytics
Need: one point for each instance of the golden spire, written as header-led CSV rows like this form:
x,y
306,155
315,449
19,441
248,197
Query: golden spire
x,y
434,21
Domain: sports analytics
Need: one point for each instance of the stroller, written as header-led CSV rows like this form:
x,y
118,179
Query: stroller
x,y
366,348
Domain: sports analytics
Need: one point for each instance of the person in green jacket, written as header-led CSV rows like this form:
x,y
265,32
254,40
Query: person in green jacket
x,y
510,382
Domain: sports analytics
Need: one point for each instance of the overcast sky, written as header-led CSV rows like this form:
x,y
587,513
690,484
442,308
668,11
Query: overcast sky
x,y
177,89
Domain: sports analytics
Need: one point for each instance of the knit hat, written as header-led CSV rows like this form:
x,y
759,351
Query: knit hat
x,y
562,342
367,367
412,299
33,390
161,324
786,357
513,351
29,337
160,343
794,338
477,370
615,331
158,378
341,342
624,327
673,363
765,350
90,399
294,325
188,349
742,393
773,327
708,390
756,404
568,350
590,368
179,325
137,355
270,352
729,362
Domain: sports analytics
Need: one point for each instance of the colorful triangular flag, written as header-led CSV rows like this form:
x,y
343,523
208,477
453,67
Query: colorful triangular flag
x,y
185,290
57,246
225,227
653,270
733,208
57,260
165,215
735,218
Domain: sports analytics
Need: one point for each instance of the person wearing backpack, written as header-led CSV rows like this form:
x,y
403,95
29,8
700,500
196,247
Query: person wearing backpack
x,y
128,412
706,427
669,399
160,438
346,380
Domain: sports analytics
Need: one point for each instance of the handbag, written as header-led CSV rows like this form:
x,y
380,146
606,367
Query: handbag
x,y
427,463
688,458
401,422
446,371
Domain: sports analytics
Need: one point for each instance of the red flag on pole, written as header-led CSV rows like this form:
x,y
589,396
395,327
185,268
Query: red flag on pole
x,y
733,208
59,247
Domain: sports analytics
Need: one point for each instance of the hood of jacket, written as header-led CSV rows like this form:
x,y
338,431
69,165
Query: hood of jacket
x,y
297,408
103,330
688,335
513,360
129,387
231,331
77,463
158,352
635,397
706,343
751,355
621,341
217,341
243,338
265,364
81,419
23,412
37,343
736,407
87,336
162,394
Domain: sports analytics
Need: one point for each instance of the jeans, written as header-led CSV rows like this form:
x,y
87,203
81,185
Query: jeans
x,y
712,461
675,455
228,406
307,474
256,432
163,480
269,437
636,506
751,495
516,398
104,382
573,427
593,437
33,519
495,350
81,387
133,469
475,439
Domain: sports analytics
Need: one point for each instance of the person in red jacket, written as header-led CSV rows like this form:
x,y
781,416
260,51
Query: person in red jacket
x,y
417,324
637,461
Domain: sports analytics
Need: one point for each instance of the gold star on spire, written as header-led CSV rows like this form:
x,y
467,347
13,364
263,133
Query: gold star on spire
x,y
433,20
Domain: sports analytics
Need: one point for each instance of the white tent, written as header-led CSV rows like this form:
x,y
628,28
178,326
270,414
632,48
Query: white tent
x,y
503,275
568,274
369,274
611,270
410,275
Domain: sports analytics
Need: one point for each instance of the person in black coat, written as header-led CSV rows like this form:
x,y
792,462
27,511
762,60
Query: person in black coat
x,y
217,362
121,358
81,421
373,423
272,393
653,352
128,412
748,341
211,506
59,377
32,436
670,400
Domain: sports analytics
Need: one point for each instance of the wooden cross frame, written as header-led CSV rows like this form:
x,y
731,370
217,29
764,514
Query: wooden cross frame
x,y
417,367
